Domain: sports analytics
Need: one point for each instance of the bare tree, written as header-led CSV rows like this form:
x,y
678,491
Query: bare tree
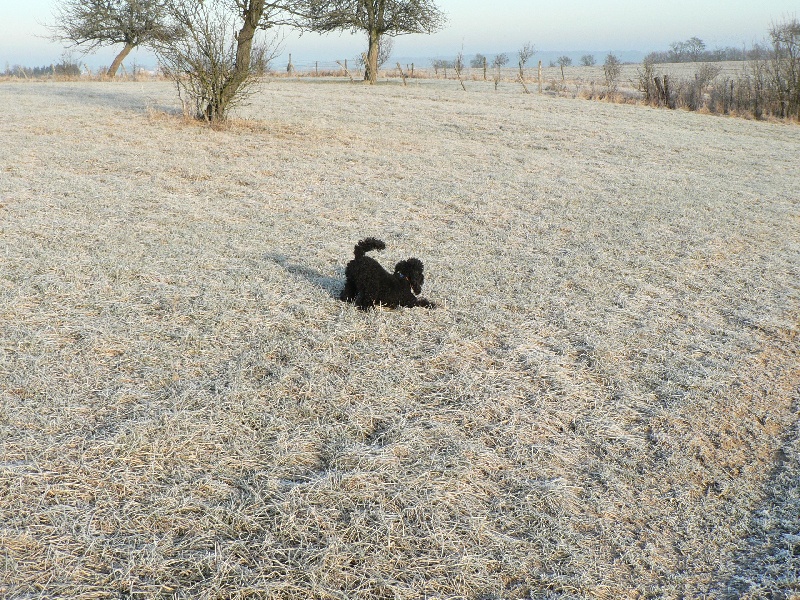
x,y
439,63
458,67
525,54
214,53
694,48
377,18
677,51
478,61
500,60
564,61
96,23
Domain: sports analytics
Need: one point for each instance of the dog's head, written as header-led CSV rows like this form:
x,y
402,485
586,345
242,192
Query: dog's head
x,y
411,269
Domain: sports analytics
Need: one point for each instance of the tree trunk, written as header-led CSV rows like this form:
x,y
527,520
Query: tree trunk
x,y
244,41
112,70
251,15
371,73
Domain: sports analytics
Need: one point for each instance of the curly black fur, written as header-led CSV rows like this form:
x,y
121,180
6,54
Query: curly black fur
x,y
369,284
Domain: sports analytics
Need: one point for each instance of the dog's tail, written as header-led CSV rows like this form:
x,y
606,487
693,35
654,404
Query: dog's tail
x,y
366,245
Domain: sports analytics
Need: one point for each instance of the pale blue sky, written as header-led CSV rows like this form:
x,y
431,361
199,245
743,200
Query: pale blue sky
x,y
475,26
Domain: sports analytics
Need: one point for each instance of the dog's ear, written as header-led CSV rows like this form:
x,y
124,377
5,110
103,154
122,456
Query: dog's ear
x,y
412,269
409,266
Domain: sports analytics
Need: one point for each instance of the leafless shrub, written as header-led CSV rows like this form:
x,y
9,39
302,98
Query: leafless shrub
x,y
611,70
752,94
646,82
204,59
695,91
691,94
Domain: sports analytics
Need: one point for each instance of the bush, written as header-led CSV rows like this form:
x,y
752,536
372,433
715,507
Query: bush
x,y
695,91
647,82
203,58
611,70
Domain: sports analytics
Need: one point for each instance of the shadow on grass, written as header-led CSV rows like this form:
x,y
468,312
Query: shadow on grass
x,y
105,94
769,565
331,285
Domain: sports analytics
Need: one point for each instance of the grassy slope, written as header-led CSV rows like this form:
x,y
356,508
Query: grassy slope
x,y
604,405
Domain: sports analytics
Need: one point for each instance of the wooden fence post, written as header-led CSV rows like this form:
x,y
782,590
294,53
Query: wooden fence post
x,y
540,77
346,72
461,81
659,89
403,75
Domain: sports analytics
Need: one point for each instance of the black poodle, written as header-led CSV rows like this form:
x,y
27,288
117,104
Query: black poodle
x,y
369,284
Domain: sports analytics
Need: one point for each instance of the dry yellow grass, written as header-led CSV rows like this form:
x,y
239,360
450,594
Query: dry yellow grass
x,y
605,406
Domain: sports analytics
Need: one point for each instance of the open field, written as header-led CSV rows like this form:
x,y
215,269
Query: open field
x,y
605,405
724,88
577,79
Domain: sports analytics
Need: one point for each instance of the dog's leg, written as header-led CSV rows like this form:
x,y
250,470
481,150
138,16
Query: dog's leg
x,y
363,301
349,292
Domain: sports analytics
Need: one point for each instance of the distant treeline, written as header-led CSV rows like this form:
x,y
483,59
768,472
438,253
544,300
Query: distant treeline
x,y
694,50
65,68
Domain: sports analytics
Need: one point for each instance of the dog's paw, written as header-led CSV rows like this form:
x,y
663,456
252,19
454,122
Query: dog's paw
x,y
425,303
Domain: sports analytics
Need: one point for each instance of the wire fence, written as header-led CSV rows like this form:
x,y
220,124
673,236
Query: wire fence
x,y
425,69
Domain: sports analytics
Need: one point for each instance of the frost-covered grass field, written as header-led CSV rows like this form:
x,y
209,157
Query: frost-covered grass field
x,y
605,405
